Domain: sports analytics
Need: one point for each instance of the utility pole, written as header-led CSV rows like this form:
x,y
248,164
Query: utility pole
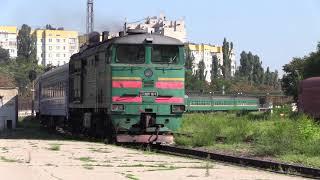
x,y
90,17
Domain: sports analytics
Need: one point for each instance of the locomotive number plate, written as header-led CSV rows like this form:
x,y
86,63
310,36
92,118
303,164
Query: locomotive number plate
x,y
148,93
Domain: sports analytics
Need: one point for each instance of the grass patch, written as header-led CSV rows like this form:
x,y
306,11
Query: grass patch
x,y
132,165
164,168
290,138
131,176
88,166
54,147
49,164
100,150
86,159
4,159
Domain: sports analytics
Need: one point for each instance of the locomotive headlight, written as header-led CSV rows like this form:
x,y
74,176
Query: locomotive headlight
x,y
148,72
117,107
178,108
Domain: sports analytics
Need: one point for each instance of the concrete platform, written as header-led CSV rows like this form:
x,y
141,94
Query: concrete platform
x,y
69,160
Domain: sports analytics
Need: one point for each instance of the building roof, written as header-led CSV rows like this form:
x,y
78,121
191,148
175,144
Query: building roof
x,y
55,33
205,47
9,29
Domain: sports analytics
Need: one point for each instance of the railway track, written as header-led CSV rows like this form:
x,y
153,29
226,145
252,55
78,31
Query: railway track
x,y
272,166
277,167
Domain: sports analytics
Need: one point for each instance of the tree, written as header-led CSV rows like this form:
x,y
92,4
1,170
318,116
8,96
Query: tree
x,y
299,69
227,49
312,64
293,74
257,70
245,65
267,76
201,73
214,68
4,55
26,44
193,83
189,59
50,27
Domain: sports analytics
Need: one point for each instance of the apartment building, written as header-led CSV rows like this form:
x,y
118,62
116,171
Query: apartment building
x,y
8,39
206,52
55,47
161,25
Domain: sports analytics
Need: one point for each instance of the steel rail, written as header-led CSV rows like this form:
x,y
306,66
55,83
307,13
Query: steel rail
x,y
277,167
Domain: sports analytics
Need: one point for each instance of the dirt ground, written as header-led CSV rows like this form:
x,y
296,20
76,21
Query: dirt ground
x,y
31,159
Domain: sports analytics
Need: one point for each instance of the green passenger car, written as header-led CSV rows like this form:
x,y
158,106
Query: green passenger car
x,y
221,103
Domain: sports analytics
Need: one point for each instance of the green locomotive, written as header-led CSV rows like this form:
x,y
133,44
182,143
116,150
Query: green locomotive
x,y
130,88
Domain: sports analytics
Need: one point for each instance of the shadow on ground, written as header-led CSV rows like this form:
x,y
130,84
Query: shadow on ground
x,y
30,128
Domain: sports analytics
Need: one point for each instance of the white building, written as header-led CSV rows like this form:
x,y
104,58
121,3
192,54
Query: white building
x,y
8,108
206,52
8,39
160,25
55,47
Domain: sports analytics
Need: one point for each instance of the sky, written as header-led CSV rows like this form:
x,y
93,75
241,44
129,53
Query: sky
x,y
275,30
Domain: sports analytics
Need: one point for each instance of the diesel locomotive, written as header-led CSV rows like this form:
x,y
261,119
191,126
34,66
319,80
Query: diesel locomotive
x,y
128,89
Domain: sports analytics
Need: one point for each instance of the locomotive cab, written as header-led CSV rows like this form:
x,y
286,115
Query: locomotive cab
x,y
147,87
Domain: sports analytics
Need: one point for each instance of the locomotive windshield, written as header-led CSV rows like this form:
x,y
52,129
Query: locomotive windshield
x,y
165,54
130,54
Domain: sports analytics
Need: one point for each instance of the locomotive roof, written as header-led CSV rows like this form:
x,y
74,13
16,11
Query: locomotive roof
x,y
130,39
142,38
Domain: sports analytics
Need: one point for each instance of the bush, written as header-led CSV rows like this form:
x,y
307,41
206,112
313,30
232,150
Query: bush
x,y
270,137
293,140
276,140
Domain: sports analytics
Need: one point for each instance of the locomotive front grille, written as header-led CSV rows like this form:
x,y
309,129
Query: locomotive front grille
x,y
148,84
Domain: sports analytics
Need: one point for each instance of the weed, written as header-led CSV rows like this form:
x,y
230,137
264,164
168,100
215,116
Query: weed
x,y
88,166
28,157
208,166
49,164
54,147
4,159
86,159
131,176
100,150
132,165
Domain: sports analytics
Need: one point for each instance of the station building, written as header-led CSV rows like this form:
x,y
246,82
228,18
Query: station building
x,y
8,108
206,52
8,39
55,47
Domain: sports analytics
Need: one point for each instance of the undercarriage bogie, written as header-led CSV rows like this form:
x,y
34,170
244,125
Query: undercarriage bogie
x,y
145,123
122,128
